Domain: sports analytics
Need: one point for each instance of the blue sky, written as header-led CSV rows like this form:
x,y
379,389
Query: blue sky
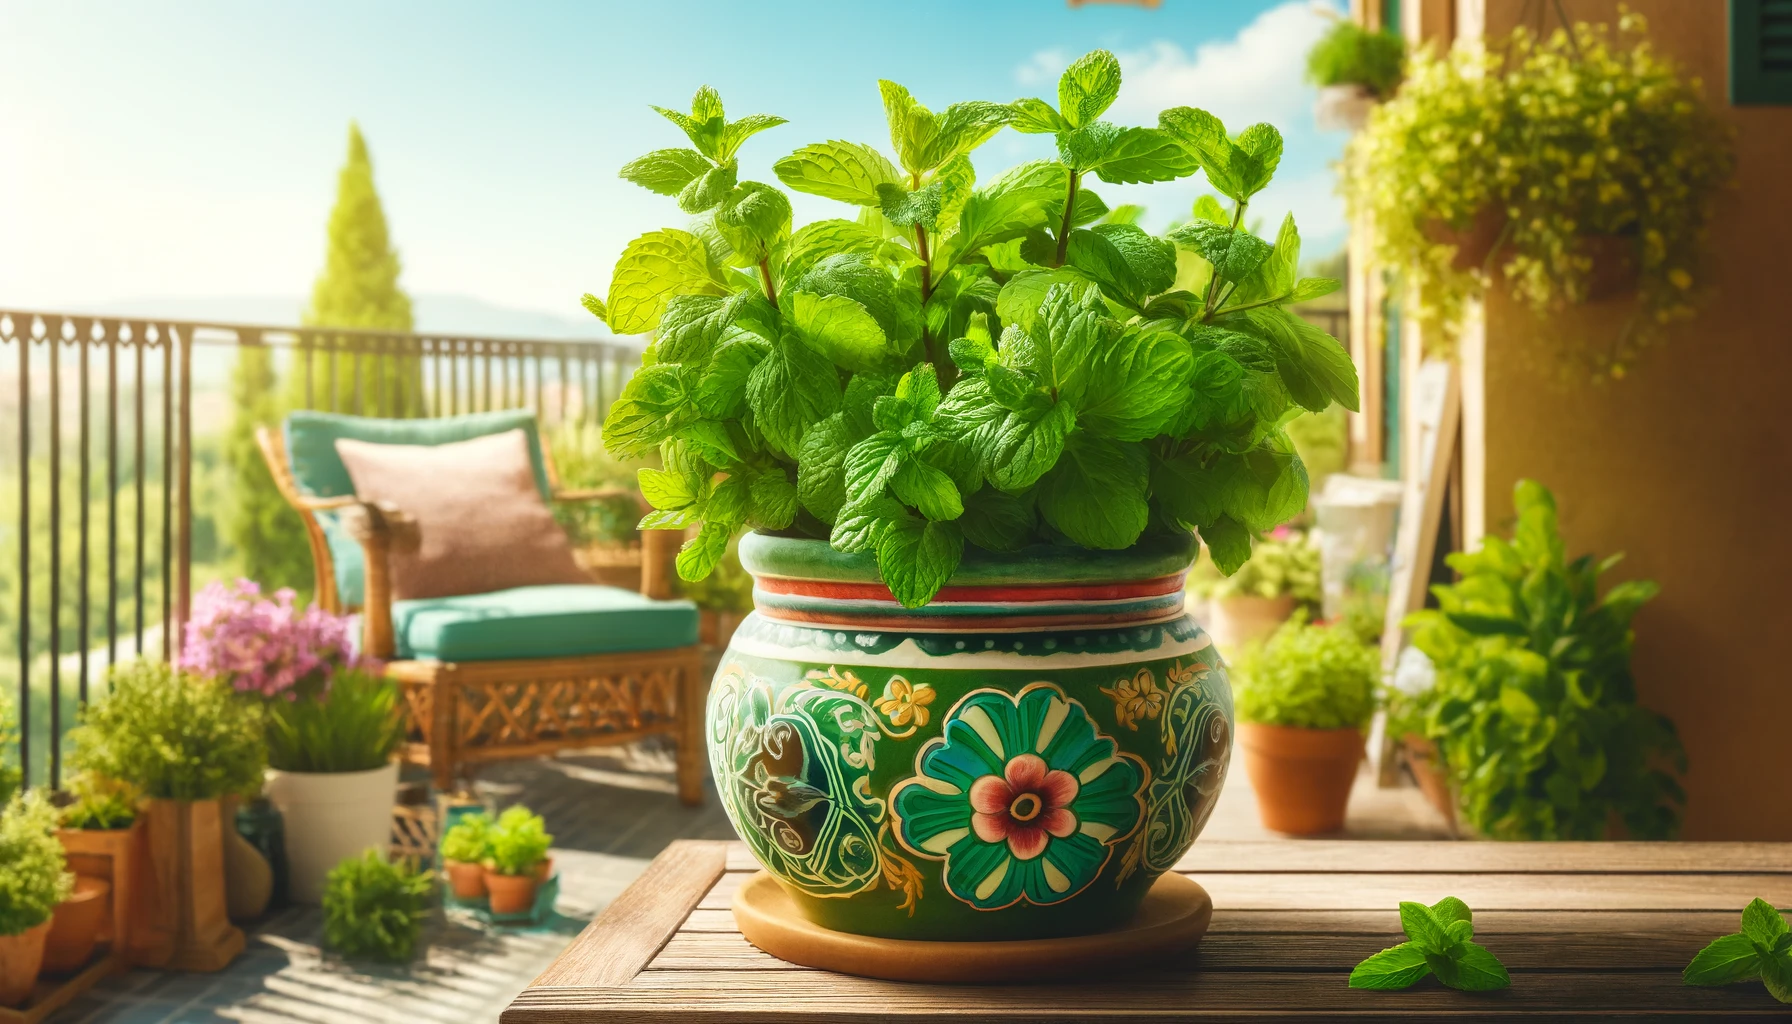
x,y
158,150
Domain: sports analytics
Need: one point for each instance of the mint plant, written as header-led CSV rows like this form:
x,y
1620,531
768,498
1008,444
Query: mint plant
x,y
998,364
1438,942
1763,949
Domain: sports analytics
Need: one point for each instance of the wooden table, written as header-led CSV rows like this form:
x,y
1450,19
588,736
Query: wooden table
x,y
1587,929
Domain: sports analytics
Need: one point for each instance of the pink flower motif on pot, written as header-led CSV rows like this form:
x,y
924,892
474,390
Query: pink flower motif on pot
x,y
1024,805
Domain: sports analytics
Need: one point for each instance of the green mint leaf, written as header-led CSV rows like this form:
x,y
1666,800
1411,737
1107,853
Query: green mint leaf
x,y
821,467
916,558
1088,87
907,209
1136,386
595,306
1459,932
1208,208
859,277
666,171
1144,154
1309,288
1402,966
1314,366
1274,278
692,326
1086,148
1204,136
920,387
1024,294
1267,485
998,521
1472,969
1152,261
1023,447
1096,494
699,555
841,330
1422,928
706,104
667,490
1235,255
1776,974
793,387
1016,390
1062,342
1262,144
1229,543
892,413
929,490
1018,202
872,464
1449,910
1035,117
914,131
826,239
712,441
773,499
839,170
708,190
704,126
737,132
1762,923
722,388
667,519
963,127
754,220
972,355
654,403
1724,961
1186,490
861,525
654,269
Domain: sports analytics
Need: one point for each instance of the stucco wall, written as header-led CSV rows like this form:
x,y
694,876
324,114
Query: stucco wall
x,y
1686,464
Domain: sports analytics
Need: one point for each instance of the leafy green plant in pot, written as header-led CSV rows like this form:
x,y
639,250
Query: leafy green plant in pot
x,y
1534,709
465,847
1354,69
1281,578
333,722
517,860
972,426
1304,699
186,743
102,849
375,909
33,881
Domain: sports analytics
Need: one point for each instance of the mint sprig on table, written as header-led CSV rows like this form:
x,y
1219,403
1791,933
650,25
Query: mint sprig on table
x,y
1437,943
1763,949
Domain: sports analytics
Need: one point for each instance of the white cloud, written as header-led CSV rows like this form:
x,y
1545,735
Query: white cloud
x,y
1258,75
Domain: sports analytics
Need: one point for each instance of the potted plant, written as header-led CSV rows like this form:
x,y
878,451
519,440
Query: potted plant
x,y
972,428
465,847
1247,606
1354,70
374,908
100,838
332,723
1533,709
33,880
1576,166
1304,699
517,860
185,742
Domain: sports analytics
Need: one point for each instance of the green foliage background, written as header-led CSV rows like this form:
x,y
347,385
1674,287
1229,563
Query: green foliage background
x,y
1309,676
33,875
173,736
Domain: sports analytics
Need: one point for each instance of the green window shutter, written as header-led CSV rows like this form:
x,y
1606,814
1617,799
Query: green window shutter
x,y
1761,52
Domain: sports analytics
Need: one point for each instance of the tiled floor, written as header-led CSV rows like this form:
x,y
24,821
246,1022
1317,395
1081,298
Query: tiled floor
x,y
610,814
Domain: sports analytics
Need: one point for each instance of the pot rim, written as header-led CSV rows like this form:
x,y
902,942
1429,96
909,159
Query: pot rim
x,y
805,558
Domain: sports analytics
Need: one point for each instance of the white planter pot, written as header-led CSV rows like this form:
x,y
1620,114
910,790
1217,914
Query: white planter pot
x,y
1343,108
331,816
1235,622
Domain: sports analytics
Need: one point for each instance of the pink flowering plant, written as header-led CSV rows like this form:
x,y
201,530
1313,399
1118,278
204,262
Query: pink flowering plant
x,y
264,646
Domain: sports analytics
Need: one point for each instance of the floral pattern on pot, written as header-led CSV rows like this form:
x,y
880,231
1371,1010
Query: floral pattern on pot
x,y
1021,797
1197,740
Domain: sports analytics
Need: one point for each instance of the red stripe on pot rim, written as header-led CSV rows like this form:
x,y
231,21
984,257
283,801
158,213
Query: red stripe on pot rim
x,y
995,594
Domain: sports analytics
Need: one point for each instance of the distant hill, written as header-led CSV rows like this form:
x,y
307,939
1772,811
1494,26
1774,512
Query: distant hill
x,y
460,314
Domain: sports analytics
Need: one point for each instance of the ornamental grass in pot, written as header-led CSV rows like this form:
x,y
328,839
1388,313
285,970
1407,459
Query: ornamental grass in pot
x,y
517,860
973,427
332,723
1304,700
33,881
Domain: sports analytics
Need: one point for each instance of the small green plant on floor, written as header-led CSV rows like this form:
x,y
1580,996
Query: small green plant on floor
x,y
172,735
375,909
469,839
100,803
1438,942
1310,677
1283,562
1534,707
519,842
1763,949
1352,55
33,871
953,364
355,727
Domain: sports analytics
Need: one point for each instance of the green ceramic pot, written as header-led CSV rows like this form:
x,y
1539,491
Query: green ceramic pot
x,y
1020,758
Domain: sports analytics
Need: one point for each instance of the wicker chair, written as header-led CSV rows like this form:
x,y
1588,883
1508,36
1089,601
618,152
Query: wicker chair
x,y
551,676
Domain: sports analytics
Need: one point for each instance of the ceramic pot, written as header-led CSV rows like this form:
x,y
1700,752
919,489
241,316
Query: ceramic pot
x,y
1243,619
329,817
248,878
466,878
511,894
75,927
21,957
1020,758
1302,777
1343,107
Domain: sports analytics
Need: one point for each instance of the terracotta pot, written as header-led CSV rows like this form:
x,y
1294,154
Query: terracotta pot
x,y
21,956
466,878
511,894
1474,243
1428,771
75,927
1302,777
1239,620
184,899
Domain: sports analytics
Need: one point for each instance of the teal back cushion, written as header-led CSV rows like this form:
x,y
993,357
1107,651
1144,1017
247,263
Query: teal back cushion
x,y
318,470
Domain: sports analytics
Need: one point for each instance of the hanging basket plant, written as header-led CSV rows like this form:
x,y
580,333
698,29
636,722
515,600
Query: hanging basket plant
x,y
1576,167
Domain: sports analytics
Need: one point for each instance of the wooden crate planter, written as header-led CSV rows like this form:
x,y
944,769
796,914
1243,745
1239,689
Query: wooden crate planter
x,y
52,994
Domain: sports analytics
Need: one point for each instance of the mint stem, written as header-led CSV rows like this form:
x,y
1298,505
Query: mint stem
x,y
1064,229
1213,283
771,290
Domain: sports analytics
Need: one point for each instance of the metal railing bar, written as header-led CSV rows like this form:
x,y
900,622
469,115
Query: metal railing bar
x,y
112,498
53,341
86,507
169,340
24,337
137,472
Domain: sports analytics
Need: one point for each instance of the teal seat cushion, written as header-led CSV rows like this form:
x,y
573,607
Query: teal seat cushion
x,y
317,469
540,622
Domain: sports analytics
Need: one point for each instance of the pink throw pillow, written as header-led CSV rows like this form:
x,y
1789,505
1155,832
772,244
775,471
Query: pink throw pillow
x,y
484,524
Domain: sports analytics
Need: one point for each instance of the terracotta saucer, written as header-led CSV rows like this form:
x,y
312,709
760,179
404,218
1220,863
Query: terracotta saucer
x,y
1172,920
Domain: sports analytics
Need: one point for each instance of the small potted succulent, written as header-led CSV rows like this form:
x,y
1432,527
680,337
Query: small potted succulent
x,y
33,880
332,722
465,847
1354,69
186,742
374,908
1281,578
100,838
517,861
1304,699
